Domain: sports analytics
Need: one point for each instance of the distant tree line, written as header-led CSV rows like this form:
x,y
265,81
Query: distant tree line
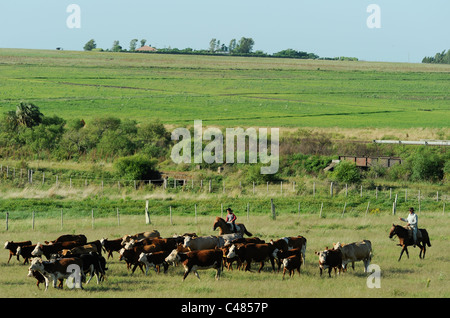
x,y
243,47
439,58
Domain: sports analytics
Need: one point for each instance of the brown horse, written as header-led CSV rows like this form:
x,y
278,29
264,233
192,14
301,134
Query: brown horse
x,y
406,241
225,227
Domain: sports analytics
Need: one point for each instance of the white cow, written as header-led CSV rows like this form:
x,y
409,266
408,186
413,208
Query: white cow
x,y
355,252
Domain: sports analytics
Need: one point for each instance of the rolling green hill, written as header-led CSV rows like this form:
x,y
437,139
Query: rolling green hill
x,y
226,91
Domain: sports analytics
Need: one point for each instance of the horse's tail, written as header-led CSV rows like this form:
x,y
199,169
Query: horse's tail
x,y
425,237
246,232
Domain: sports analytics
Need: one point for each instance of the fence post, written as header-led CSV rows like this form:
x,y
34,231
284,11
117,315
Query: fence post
x,y
418,198
272,207
343,211
367,210
321,208
331,189
147,214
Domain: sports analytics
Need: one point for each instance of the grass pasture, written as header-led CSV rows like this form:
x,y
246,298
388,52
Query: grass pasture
x,y
226,91
408,278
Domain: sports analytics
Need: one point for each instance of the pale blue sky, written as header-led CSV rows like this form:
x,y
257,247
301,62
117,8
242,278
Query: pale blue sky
x,y
410,29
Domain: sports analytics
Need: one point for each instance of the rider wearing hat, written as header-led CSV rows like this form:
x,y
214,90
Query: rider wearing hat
x,y
412,220
231,218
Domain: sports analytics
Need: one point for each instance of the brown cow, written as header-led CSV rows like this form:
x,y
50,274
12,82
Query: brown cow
x,y
12,247
58,269
287,243
79,250
330,259
198,259
139,236
69,237
54,248
291,264
254,252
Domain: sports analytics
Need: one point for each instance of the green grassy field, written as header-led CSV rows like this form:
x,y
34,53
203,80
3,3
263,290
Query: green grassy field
x,y
408,278
355,100
226,91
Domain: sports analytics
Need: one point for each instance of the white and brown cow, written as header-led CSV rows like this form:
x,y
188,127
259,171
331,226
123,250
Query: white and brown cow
x,y
12,247
355,252
197,260
58,269
329,259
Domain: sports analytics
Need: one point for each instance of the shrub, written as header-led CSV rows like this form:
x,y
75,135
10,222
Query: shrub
x,y
347,172
137,167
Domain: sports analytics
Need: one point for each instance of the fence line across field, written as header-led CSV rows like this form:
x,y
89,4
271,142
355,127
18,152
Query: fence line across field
x,y
335,188
271,209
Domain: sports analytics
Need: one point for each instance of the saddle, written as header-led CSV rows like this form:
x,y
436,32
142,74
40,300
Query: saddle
x,y
410,233
234,229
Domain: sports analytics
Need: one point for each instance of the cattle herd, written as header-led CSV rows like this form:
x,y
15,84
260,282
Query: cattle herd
x,y
73,256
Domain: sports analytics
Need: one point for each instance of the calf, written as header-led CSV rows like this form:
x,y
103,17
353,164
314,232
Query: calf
x,y
287,243
355,252
57,270
111,246
155,259
291,264
131,256
12,247
254,252
330,259
196,260
281,255
79,250
228,262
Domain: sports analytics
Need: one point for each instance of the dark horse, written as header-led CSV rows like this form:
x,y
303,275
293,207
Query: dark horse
x,y
406,241
225,227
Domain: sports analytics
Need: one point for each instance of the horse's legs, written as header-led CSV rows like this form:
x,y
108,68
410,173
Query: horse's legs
x,y
422,250
401,253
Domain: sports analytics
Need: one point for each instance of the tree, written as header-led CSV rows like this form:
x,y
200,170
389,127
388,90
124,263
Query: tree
x,y
143,41
245,45
212,45
232,46
28,115
133,45
116,47
90,45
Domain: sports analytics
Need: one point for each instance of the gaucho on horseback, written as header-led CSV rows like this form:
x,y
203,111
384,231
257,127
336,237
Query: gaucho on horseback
x,y
412,224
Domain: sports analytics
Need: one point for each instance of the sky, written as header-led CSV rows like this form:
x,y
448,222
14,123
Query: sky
x,y
398,30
